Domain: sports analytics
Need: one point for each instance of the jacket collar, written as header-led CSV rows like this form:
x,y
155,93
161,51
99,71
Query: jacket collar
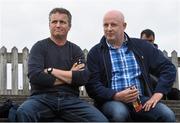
x,y
130,44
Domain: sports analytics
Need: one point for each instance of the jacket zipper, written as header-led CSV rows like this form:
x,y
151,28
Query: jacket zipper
x,y
108,81
141,59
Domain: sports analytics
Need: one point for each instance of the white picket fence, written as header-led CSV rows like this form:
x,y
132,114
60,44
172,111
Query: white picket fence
x,y
15,58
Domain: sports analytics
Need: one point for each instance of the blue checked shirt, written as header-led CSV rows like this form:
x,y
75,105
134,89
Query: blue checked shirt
x,y
125,70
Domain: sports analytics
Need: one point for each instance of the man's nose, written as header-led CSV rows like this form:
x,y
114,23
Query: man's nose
x,y
109,27
58,24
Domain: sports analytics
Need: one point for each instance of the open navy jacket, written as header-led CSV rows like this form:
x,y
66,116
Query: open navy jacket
x,y
150,59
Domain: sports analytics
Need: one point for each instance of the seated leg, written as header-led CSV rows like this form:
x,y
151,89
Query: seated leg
x,y
116,111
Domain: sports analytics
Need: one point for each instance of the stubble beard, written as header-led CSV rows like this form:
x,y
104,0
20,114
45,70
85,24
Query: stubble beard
x,y
60,37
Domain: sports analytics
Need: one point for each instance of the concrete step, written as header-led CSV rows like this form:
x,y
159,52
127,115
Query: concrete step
x,y
13,97
3,120
173,104
178,117
176,110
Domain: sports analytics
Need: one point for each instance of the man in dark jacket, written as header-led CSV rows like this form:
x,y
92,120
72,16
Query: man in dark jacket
x,y
119,81
173,94
56,74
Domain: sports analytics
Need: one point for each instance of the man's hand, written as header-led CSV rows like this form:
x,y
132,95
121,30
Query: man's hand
x,y
128,95
151,103
59,82
45,71
77,67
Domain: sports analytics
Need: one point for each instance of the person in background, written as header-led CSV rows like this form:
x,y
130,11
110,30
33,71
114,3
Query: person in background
x,y
174,93
148,35
119,75
56,71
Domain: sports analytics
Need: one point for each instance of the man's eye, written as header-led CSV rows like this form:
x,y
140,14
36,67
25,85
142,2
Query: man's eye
x,y
62,22
54,22
113,25
105,25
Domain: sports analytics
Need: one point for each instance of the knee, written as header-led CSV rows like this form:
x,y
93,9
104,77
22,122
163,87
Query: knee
x,y
101,118
116,111
166,114
169,116
97,116
20,114
23,115
172,117
120,116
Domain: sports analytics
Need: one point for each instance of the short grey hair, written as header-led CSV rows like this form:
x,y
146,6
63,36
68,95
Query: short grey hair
x,y
61,11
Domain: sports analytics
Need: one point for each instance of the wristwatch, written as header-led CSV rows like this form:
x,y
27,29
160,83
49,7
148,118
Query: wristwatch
x,y
49,70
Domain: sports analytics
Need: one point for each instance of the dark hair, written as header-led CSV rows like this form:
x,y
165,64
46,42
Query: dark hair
x,y
61,11
148,33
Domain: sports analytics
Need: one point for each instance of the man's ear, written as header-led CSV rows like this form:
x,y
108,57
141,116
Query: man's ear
x,y
69,27
124,25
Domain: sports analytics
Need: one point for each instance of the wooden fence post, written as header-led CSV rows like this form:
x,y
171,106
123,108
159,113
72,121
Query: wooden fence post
x,y
165,53
14,69
25,57
174,59
3,70
85,51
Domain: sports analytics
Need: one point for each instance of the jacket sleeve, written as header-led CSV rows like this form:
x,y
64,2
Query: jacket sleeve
x,y
95,87
79,78
36,67
163,69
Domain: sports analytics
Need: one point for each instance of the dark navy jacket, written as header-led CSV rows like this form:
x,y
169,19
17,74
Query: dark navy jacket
x,y
150,59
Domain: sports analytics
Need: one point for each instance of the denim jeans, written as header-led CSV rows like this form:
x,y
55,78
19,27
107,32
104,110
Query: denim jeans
x,y
63,106
121,112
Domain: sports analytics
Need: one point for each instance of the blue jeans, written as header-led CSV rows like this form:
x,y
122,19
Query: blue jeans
x,y
63,106
121,112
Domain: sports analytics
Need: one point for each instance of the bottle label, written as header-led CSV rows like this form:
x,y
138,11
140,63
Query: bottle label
x,y
137,104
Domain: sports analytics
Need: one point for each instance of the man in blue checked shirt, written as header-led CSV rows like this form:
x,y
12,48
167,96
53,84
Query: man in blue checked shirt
x,y
120,82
